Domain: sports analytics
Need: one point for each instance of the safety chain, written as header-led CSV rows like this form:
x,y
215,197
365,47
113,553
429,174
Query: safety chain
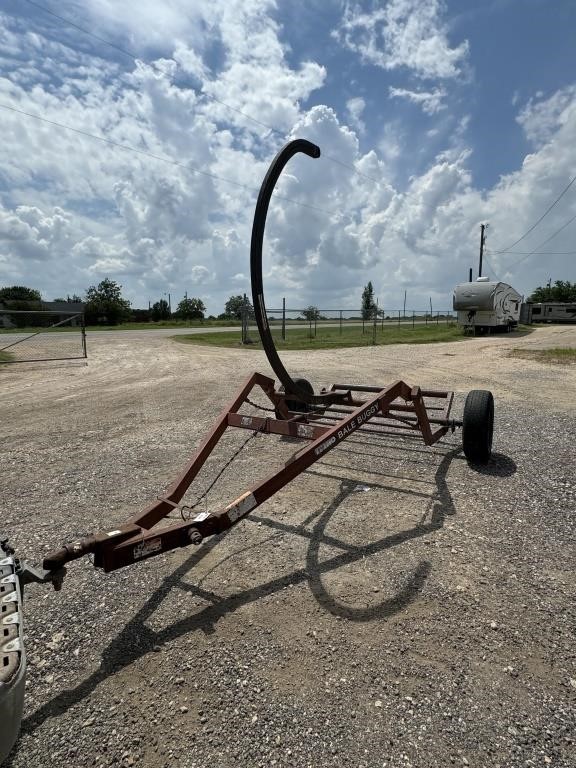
x,y
261,407
273,410
186,510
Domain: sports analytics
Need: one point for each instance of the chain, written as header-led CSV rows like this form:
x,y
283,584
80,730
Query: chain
x,y
261,407
186,510
273,410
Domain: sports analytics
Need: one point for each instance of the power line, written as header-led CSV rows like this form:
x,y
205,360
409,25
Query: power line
x,y
546,212
533,253
82,29
491,267
186,166
134,57
537,249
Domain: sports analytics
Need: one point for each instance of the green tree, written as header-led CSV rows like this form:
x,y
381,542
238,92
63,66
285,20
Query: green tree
x,y
562,290
311,313
105,303
22,299
235,305
368,303
191,309
20,293
161,310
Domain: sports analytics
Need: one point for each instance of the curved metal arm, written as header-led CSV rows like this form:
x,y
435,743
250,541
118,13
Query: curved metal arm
x,y
266,190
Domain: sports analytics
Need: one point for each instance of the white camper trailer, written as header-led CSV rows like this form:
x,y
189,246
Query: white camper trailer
x,y
553,312
486,306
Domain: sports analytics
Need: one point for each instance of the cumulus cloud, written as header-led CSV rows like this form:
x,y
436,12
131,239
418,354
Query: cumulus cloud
x,y
82,209
430,101
542,117
356,107
408,34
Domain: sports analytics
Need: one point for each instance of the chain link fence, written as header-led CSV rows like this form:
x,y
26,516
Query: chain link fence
x,y
29,337
335,325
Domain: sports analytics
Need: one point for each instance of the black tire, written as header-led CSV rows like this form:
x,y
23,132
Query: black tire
x,y
298,405
478,426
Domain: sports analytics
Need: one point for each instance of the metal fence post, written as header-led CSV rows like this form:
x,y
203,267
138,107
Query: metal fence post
x,y
340,322
284,319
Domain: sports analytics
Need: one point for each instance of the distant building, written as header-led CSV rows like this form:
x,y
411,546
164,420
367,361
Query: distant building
x,y
66,308
59,311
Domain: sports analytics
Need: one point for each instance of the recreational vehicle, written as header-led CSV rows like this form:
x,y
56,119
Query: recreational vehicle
x,y
485,306
553,312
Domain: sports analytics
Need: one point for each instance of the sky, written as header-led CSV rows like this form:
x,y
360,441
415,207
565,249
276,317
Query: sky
x,y
135,137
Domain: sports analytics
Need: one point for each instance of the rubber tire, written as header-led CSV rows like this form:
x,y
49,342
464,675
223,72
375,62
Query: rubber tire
x,y
478,426
297,405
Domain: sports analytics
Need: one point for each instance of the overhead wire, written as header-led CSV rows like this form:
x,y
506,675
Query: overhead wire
x,y
533,253
209,96
262,124
490,265
543,243
546,212
186,166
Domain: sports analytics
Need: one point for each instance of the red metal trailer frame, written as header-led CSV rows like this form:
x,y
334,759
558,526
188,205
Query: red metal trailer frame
x,y
397,407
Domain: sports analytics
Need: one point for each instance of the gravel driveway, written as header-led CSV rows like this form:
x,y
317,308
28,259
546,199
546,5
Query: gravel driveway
x,y
391,607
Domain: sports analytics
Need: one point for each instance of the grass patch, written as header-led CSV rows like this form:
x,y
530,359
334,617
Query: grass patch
x,y
5,357
331,338
556,355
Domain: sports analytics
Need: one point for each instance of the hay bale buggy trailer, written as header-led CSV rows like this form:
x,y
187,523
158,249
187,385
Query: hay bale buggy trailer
x,y
321,420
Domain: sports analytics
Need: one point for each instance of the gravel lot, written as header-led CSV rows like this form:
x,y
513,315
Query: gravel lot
x,y
391,607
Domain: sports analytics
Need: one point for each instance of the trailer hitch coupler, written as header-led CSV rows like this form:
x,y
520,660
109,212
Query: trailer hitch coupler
x,y
68,552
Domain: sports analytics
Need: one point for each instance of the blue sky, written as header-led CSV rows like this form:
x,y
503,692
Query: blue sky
x,y
432,117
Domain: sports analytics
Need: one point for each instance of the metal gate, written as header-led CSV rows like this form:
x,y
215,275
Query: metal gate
x,y
30,337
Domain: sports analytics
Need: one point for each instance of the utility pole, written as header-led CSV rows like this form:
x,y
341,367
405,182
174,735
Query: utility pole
x,y
404,303
483,228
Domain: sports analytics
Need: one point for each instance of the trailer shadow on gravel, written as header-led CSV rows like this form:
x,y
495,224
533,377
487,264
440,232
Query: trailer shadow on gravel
x,y
136,639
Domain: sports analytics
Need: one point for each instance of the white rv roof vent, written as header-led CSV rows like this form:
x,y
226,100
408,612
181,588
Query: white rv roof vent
x,y
482,279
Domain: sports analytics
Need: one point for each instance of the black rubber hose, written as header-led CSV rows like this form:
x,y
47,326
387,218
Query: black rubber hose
x,y
266,190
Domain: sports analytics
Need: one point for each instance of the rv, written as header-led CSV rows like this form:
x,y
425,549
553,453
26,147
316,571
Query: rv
x,y
486,306
553,312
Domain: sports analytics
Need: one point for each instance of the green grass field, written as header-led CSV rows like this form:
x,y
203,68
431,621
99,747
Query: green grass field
x,y
561,355
5,356
326,338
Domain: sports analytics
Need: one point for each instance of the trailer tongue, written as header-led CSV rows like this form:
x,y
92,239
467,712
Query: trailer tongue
x,y
322,420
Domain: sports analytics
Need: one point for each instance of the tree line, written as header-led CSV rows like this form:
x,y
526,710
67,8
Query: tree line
x,y
104,303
